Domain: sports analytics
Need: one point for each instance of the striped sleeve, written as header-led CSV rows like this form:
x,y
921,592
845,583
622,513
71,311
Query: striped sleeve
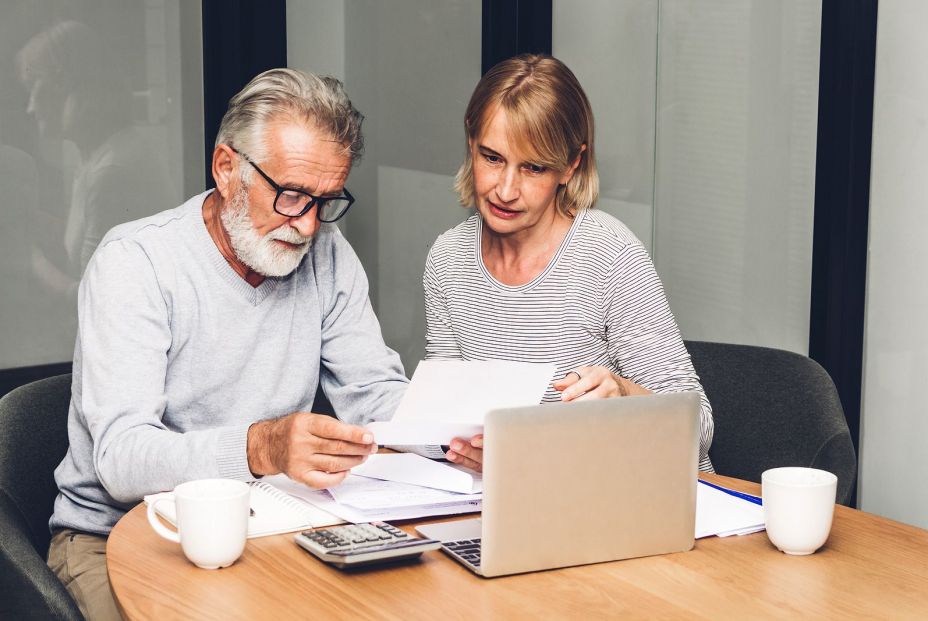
x,y
643,338
439,337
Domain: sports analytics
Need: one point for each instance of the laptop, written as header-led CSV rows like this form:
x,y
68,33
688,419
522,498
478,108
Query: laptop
x,y
582,482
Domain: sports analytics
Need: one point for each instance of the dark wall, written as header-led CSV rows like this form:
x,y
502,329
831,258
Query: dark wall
x,y
241,38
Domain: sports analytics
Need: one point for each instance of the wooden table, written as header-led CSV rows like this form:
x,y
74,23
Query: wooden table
x,y
871,567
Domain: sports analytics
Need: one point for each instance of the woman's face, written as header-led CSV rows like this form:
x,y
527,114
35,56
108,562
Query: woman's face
x,y
513,193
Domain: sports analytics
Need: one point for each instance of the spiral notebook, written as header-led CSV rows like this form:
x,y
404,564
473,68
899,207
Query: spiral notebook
x,y
273,512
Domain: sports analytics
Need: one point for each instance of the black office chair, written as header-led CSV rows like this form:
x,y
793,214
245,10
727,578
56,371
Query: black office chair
x,y
33,440
773,408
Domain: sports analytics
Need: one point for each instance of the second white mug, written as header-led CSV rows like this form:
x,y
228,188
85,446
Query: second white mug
x,y
212,520
799,504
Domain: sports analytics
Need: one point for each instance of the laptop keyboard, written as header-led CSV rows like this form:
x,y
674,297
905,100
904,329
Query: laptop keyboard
x,y
467,550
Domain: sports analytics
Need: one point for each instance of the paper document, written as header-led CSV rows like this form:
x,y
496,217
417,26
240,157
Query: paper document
x,y
718,513
372,494
432,451
323,499
417,470
449,398
399,433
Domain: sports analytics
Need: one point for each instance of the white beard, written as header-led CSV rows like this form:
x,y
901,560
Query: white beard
x,y
261,253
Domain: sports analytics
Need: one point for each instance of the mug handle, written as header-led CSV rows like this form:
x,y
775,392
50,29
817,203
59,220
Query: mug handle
x,y
156,523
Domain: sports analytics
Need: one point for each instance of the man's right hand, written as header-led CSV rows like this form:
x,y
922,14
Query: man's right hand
x,y
311,448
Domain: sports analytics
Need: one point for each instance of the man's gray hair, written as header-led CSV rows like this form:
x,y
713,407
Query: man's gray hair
x,y
290,95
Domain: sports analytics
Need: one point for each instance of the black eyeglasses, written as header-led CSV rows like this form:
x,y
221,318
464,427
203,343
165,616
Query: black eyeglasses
x,y
294,203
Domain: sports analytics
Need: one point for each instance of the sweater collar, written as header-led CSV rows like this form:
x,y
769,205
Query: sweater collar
x,y
253,295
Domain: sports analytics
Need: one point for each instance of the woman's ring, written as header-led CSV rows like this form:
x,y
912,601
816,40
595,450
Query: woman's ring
x,y
577,373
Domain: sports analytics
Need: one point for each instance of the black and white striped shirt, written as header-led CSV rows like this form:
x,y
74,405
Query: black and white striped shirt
x,y
598,302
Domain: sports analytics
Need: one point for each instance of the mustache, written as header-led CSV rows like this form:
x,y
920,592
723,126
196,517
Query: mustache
x,y
288,234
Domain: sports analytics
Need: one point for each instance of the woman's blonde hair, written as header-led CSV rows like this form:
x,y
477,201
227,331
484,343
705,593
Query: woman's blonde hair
x,y
550,119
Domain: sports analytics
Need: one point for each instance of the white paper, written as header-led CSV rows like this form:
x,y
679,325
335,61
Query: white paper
x,y
432,451
457,391
324,500
373,494
392,433
718,513
449,398
357,516
417,470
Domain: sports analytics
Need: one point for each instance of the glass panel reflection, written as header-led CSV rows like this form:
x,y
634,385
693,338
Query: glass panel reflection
x,y
90,137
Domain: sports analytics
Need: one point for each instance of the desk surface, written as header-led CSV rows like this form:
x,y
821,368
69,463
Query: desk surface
x,y
870,567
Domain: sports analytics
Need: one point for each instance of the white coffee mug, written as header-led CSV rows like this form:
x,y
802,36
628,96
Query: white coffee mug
x,y
799,504
212,520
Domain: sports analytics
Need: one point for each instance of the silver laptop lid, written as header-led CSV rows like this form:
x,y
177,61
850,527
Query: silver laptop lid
x,y
589,481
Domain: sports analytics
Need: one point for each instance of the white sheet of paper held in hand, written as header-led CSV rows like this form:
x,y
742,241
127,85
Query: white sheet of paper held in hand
x,y
448,399
417,470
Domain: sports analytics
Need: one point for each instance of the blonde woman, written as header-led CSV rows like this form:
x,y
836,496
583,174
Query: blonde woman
x,y
537,274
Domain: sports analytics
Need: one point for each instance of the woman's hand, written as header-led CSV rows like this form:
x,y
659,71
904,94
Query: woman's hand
x,y
596,383
583,383
467,453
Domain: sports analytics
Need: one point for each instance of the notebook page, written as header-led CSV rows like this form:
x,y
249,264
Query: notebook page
x,y
275,512
719,513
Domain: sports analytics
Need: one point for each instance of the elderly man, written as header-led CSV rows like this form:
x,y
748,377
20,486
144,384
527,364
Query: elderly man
x,y
205,329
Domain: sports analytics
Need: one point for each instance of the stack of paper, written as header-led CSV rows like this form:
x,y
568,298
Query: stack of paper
x,y
396,486
417,470
360,499
724,512
446,399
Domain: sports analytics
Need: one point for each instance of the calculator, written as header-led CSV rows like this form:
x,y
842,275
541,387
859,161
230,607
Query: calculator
x,y
354,545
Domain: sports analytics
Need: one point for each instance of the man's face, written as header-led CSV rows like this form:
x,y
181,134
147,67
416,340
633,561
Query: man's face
x,y
298,157
47,102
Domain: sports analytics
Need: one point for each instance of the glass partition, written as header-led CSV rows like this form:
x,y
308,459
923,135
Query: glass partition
x,y
737,110
92,134
706,124
612,49
410,68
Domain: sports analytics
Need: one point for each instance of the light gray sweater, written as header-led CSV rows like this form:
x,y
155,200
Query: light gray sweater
x,y
177,355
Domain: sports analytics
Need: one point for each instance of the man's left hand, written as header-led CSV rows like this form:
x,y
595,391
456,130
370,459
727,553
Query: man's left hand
x,y
314,449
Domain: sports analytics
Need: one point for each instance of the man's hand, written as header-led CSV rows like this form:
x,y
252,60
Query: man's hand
x,y
314,449
596,383
467,453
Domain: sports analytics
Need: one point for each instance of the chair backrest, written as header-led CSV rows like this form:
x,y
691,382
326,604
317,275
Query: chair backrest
x,y
773,408
33,440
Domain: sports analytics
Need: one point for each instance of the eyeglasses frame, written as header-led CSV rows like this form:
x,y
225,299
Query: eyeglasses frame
x,y
314,200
